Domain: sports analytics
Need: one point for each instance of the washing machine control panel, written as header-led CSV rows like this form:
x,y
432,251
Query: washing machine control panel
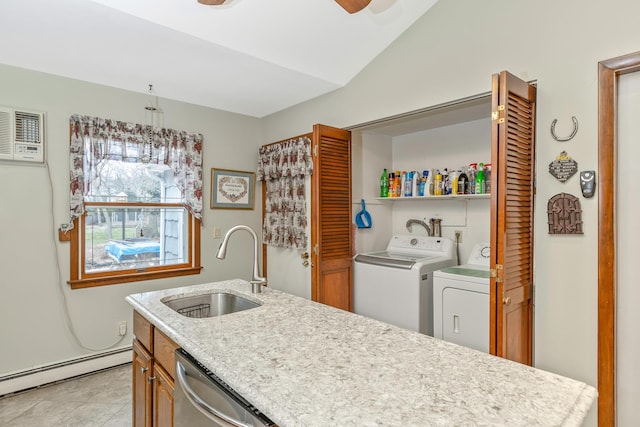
x,y
480,254
418,244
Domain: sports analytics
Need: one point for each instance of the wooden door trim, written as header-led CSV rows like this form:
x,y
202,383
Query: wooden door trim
x,y
608,73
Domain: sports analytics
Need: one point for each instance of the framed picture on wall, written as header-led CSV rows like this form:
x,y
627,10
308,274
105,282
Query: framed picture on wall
x,y
231,189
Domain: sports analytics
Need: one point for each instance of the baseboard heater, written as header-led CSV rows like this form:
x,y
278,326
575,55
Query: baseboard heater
x,y
37,377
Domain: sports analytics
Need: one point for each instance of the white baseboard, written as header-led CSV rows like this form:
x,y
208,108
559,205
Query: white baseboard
x,y
51,373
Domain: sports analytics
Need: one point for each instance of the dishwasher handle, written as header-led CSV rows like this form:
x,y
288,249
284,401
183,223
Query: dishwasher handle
x,y
208,410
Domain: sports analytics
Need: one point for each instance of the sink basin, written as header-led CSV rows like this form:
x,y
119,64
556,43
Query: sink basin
x,y
210,305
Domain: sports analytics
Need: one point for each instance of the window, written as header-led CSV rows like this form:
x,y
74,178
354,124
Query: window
x,y
136,202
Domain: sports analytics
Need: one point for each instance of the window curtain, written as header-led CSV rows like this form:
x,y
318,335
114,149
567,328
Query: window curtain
x,y
94,140
283,167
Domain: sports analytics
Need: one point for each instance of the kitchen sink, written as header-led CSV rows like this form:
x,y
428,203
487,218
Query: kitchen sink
x,y
212,304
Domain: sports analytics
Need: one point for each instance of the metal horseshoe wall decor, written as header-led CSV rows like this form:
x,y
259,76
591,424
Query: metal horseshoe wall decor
x,y
566,138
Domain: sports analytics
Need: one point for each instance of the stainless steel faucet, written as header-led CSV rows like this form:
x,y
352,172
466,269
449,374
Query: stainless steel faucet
x,y
419,222
257,281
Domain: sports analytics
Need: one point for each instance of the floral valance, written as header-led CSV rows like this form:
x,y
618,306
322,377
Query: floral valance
x,y
288,158
283,166
94,140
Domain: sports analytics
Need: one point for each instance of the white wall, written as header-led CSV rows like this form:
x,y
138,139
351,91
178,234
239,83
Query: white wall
x,y
449,54
370,154
446,147
32,327
449,147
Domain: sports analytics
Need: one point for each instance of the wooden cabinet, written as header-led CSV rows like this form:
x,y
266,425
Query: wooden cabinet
x,y
142,371
162,397
153,371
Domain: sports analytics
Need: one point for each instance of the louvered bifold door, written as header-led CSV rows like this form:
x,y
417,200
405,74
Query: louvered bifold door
x,y
512,158
331,217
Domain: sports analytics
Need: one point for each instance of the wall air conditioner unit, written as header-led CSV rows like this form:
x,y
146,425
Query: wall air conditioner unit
x,y
21,135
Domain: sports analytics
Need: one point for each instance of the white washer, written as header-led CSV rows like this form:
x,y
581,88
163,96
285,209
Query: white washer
x,y
461,301
396,285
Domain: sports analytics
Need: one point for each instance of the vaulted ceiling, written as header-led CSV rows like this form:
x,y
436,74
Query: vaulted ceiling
x,y
253,57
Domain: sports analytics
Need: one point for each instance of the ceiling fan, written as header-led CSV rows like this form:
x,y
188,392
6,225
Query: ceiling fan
x,y
351,6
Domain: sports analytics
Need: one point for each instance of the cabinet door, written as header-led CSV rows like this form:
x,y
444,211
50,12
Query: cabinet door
x,y
331,239
162,398
512,198
142,398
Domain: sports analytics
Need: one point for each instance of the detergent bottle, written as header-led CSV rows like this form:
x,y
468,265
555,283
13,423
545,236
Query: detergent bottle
x,y
392,185
429,187
453,177
437,184
463,183
423,183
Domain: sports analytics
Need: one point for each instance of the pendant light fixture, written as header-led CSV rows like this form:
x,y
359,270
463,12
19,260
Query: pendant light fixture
x,y
153,119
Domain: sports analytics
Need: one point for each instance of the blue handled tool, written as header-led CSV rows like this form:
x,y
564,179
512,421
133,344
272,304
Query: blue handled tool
x,y
363,219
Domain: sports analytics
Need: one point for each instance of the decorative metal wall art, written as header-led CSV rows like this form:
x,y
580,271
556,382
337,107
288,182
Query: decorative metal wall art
x,y
564,214
563,167
566,138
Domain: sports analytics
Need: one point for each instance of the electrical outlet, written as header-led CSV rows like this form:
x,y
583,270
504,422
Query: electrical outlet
x,y
458,235
122,328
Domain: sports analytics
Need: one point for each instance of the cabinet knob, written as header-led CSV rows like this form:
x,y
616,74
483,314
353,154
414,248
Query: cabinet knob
x,y
304,255
305,263
150,379
143,370
506,301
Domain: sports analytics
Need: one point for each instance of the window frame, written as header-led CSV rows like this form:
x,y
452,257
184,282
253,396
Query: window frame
x,y
79,278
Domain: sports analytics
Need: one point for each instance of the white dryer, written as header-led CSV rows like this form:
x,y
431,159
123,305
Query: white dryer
x,y
396,286
461,301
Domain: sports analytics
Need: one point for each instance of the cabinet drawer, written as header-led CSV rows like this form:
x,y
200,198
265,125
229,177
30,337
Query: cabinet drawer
x,y
163,352
143,331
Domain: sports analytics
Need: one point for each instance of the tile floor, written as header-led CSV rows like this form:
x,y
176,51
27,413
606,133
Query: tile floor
x,y
101,399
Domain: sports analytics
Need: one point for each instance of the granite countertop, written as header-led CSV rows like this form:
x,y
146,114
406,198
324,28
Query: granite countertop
x,y
308,364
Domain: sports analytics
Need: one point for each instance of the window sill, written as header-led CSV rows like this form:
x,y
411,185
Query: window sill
x,y
136,277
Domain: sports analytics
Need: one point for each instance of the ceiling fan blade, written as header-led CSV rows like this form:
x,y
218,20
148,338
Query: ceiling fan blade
x,y
211,2
353,6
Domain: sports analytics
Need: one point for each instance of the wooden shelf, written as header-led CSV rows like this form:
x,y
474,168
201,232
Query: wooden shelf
x,y
425,198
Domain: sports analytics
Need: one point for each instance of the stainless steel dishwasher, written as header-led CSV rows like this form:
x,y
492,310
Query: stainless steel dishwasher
x,y
202,399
